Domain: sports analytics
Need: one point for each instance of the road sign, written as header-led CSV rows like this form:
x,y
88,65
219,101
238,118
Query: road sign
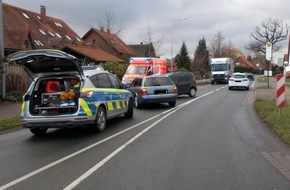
x,y
268,51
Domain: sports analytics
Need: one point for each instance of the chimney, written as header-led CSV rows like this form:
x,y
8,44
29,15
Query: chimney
x,y
108,30
102,29
43,13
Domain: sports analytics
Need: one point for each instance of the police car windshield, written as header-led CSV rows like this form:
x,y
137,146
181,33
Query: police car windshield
x,y
133,69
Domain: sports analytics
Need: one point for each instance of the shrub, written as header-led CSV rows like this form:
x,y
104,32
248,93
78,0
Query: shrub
x,y
15,88
115,68
14,82
14,96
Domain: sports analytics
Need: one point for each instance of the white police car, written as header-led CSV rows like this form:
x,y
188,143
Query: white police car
x,y
63,95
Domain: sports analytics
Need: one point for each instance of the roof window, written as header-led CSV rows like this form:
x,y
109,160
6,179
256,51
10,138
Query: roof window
x,y
42,32
68,37
78,39
25,15
58,24
38,42
58,35
113,42
52,34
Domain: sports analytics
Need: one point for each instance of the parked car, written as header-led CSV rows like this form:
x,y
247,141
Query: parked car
x,y
153,89
250,76
185,82
239,80
63,95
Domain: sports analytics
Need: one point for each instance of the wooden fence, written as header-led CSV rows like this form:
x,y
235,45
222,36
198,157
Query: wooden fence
x,y
16,74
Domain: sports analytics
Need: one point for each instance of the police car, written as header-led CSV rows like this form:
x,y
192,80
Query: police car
x,y
63,95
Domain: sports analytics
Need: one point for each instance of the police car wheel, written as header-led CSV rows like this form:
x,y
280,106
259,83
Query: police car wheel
x,y
38,131
129,113
100,121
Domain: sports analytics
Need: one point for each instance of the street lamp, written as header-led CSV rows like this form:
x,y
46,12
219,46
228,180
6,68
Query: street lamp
x,y
184,18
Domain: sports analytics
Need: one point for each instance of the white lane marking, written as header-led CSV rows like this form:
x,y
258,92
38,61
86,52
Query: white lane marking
x,y
172,110
72,155
253,84
217,89
118,150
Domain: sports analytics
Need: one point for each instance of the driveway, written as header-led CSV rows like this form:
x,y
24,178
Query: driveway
x,y
8,110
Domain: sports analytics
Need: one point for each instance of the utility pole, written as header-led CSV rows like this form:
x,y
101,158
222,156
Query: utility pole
x,y
268,58
2,66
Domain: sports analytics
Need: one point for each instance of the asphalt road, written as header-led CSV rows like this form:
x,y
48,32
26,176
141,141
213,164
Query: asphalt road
x,y
213,141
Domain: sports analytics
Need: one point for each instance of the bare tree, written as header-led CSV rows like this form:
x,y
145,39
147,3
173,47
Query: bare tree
x,y
149,40
272,30
110,23
217,46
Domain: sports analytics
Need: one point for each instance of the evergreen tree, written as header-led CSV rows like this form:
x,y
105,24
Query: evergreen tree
x,y
150,51
200,64
183,60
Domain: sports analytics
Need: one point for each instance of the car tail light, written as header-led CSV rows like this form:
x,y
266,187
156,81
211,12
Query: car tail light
x,y
143,91
87,94
245,79
175,90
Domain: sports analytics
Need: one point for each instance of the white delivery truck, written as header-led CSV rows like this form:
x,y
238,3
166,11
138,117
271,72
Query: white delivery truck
x,y
221,69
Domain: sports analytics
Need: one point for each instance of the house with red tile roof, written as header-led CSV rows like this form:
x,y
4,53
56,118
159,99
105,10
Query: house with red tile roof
x,y
91,54
109,42
242,61
24,29
252,66
258,66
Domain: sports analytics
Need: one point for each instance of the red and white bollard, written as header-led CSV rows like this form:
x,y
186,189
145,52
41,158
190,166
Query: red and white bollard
x,y
280,91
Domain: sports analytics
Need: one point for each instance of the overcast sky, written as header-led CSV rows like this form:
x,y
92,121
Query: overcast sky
x,y
236,19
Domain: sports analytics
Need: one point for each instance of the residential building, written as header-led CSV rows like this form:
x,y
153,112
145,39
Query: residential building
x,y
253,65
25,30
242,61
109,42
141,49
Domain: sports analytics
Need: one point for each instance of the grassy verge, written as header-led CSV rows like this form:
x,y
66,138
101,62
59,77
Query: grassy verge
x,y
277,121
202,82
9,123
